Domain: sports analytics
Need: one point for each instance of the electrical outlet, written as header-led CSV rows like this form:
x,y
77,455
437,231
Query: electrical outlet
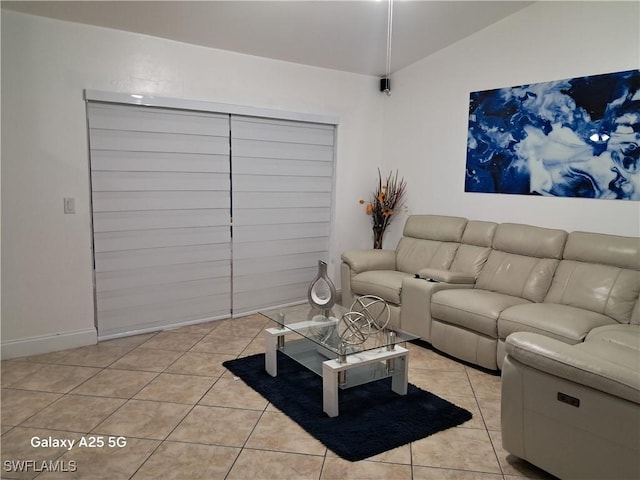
x,y
69,205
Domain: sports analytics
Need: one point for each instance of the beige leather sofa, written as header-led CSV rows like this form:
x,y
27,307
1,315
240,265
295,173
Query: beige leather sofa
x,y
571,375
574,410
518,271
478,282
449,251
558,312
595,284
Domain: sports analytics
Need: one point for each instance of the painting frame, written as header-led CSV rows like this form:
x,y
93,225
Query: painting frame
x,y
577,137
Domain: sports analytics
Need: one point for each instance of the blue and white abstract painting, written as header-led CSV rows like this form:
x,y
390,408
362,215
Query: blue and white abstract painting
x,y
578,137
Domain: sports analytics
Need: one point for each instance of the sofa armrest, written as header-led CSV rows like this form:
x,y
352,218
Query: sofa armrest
x,y
585,364
415,315
437,275
365,260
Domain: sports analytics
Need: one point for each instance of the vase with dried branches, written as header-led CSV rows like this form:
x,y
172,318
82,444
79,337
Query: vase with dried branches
x,y
386,199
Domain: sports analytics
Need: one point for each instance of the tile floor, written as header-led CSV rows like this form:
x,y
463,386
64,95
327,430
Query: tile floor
x,y
183,416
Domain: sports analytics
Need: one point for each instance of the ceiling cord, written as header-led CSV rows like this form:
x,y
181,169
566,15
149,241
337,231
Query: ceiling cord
x,y
389,35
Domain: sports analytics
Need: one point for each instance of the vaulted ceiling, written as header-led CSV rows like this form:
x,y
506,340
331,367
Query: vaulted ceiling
x,y
340,35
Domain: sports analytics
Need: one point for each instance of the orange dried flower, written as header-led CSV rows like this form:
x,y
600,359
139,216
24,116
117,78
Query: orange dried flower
x,y
385,200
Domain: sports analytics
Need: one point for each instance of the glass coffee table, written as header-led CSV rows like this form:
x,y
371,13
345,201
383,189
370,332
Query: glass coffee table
x,y
336,350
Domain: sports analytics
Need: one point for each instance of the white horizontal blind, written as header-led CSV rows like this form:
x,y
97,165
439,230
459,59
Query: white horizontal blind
x,y
161,210
282,180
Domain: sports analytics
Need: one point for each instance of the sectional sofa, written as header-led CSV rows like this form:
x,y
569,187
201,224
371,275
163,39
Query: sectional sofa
x,y
465,285
557,312
574,410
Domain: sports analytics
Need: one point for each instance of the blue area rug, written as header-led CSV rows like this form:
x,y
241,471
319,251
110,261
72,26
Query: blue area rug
x,y
372,419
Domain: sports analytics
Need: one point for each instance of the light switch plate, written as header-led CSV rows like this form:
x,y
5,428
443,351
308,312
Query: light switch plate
x,y
69,205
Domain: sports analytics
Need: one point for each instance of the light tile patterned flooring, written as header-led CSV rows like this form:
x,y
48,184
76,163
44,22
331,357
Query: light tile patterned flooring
x,y
185,417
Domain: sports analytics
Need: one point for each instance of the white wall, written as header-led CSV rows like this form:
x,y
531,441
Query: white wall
x,y
47,301
426,116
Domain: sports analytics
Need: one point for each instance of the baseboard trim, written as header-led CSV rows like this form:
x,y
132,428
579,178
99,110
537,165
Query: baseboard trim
x,y
157,327
48,343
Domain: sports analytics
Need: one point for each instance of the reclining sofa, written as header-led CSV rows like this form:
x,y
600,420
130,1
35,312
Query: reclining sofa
x,y
574,410
465,285
557,312
435,252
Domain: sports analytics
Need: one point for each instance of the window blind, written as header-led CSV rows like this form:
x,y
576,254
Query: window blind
x,y
161,209
282,181
166,185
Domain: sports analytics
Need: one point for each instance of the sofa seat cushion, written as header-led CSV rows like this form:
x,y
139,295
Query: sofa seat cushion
x,y
386,284
624,335
562,322
473,309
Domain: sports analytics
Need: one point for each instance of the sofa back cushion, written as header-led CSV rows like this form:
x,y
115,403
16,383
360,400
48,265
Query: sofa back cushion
x,y
530,240
600,273
429,241
522,261
413,254
614,250
435,227
475,247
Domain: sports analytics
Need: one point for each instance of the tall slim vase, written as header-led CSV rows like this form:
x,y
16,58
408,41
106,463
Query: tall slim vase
x,y
378,232
322,291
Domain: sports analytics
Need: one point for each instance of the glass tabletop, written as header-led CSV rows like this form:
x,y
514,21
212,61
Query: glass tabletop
x,y
338,330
